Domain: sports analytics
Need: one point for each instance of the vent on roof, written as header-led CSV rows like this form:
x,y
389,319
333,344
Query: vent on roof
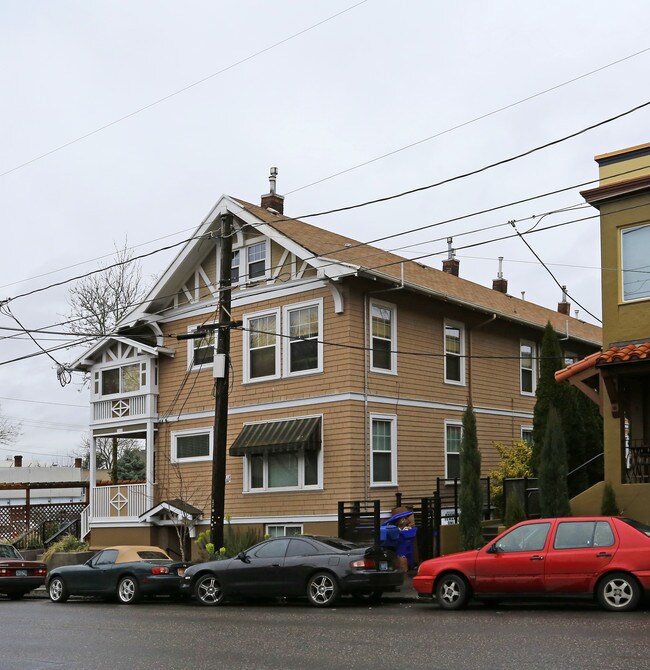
x,y
272,201
451,265
500,284
564,307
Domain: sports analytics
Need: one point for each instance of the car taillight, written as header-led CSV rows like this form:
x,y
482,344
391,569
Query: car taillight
x,y
4,571
363,564
160,570
41,571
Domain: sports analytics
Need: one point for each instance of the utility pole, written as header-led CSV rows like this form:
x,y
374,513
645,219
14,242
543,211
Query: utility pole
x,y
221,368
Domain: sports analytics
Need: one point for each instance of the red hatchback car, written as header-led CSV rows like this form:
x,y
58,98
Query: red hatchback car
x,y
603,557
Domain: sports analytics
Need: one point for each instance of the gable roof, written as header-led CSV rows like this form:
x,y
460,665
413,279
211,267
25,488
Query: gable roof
x,y
389,266
337,256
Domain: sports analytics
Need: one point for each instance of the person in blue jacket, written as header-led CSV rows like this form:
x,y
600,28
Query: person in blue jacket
x,y
398,533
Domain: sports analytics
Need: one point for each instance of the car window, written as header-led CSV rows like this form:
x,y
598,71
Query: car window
x,y
531,537
338,543
583,535
641,527
8,551
106,557
301,548
152,555
273,549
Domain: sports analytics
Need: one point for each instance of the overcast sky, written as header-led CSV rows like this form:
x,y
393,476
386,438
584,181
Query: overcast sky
x,y
315,88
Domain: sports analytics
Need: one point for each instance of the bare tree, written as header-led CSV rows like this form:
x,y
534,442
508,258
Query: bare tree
x,y
122,467
99,301
186,495
9,431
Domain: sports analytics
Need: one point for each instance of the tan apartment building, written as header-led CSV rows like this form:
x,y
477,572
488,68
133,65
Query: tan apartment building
x,y
349,376
618,379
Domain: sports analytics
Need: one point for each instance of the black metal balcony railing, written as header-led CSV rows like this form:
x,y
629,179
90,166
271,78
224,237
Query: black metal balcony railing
x,y
637,453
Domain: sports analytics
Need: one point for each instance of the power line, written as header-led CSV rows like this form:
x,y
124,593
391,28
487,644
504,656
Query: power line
x,y
466,123
182,90
479,170
42,402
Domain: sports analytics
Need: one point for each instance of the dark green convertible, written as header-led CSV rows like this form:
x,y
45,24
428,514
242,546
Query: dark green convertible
x,y
127,573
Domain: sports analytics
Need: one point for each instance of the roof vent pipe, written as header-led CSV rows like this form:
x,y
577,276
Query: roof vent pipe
x,y
272,201
500,284
451,264
564,307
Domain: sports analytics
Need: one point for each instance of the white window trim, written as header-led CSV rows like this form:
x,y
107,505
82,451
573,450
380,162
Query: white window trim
x,y
393,336
244,264
285,526
286,342
104,367
190,350
623,299
533,346
393,450
527,429
193,431
246,346
451,422
301,470
461,328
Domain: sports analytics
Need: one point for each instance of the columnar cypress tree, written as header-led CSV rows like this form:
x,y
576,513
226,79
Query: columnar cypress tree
x,y
548,390
553,491
471,496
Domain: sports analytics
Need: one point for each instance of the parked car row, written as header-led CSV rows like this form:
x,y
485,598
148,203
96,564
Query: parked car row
x,y
606,558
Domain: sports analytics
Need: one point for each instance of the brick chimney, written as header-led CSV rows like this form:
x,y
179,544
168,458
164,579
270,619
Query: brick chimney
x,y
564,307
500,284
272,200
18,461
451,265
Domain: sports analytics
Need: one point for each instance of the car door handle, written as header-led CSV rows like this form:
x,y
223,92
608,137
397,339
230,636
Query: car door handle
x,y
536,558
275,565
603,554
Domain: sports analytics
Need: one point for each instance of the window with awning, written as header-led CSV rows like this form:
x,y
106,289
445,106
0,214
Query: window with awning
x,y
278,437
280,454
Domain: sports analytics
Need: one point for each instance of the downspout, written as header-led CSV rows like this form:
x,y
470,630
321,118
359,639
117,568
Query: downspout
x,y
469,352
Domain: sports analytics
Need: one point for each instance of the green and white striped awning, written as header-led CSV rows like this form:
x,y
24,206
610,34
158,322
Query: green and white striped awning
x,y
278,436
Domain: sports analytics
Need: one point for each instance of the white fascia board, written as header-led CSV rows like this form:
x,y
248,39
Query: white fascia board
x,y
82,362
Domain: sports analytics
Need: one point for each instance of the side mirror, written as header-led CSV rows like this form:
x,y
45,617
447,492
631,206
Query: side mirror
x,y
243,558
494,549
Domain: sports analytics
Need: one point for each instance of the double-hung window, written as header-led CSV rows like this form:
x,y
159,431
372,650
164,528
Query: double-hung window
x,y
527,367
201,349
249,263
453,439
383,337
191,445
454,353
303,326
261,350
383,457
635,263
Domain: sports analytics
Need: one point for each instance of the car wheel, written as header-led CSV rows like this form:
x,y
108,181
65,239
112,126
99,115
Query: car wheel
x,y
57,590
618,592
128,590
452,592
322,590
208,591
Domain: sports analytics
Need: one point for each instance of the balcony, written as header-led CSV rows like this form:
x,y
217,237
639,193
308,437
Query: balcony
x,y
119,502
143,406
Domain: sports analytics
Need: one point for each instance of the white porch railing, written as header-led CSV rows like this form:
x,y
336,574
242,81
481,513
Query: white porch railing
x,y
119,501
84,523
137,406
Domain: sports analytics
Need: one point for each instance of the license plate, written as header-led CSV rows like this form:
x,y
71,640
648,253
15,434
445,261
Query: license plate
x,y
181,572
383,566
21,573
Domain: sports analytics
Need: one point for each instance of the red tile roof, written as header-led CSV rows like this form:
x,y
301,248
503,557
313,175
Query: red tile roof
x,y
627,353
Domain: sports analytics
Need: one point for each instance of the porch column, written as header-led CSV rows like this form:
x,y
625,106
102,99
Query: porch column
x,y
93,473
150,462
